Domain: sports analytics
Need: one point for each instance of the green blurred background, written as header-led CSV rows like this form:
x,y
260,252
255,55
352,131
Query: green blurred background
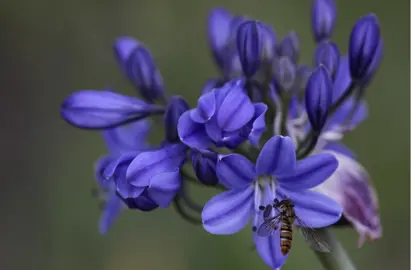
x,y
51,48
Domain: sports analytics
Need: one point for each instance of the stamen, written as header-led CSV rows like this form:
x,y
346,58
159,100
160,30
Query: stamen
x,y
254,228
261,207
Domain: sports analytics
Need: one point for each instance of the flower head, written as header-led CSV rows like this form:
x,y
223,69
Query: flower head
x,y
276,174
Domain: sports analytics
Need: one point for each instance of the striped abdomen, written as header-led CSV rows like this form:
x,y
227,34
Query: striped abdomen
x,y
286,235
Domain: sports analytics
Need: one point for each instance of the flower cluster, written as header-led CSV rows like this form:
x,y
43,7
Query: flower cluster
x,y
268,128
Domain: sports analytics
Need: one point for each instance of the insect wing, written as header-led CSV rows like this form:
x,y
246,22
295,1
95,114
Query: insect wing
x,y
269,226
315,241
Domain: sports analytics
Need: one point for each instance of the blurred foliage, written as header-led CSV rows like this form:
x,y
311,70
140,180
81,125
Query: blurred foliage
x,y
51,48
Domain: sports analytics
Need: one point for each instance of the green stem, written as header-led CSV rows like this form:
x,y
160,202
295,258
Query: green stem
x,y
338,258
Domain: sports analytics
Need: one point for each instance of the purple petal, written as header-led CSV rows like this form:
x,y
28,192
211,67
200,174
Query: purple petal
x,y
351,186
123,47
213,130
93,109
229,211
130,137
269,249
313,208
218,32
163,187
277,156
258,124
235,171
191,133
340,148
310,172
341,116
99,167
342,79
235,111
205,108
111,210
151,163
123,160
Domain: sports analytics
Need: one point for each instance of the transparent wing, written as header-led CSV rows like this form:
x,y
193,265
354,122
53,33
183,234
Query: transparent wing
x,y
269,226
314,240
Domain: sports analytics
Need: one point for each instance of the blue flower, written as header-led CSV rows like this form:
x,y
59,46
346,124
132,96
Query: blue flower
x,y
92,109
323,16
276,174
118,141
224,116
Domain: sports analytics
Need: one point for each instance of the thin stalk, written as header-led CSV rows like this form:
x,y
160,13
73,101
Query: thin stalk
x,y
338,258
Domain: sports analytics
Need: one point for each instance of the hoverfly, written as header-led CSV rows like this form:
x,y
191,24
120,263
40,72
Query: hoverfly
x,y
283,220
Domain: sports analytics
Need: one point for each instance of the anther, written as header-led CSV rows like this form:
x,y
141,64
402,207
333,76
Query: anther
x,y
261,207
254,228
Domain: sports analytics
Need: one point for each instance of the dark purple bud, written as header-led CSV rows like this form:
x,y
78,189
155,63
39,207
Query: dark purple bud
x,y
327,54
175,108
290,47
143,73
318,97
375,64
143,203
323,15
204,163
249,46
363,46
284,72
219,30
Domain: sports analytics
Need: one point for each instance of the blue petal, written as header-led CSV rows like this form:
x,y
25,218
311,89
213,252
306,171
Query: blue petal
x,y
213,130
340,117
342,79
93,109
218,32
111,210
123,160
269,249
277,156
314,209
163,187
126,138
229,211
235,111
205,108
235,171
258,124
123,47
151,163
99,168
310,172
191,133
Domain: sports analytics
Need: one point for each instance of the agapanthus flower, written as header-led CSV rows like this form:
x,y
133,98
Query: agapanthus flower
x,y
118,141
276,174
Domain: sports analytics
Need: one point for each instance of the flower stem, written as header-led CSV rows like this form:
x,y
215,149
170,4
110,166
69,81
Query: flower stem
x,y
338,258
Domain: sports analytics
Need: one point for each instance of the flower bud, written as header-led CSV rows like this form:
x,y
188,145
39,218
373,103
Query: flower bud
x,y
219,30
204,164
249,46
123,47
363,46
323,15
284,72
302,74
144,74
327,54
290,47
318,97
269,40
374,64
175,108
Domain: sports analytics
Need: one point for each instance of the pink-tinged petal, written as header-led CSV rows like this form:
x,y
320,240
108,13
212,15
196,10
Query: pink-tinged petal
x,y
229,211
277,157
269,249
163,187
191,133
91,109
235,111
235,171
309,172
351,186
313,208
205,108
